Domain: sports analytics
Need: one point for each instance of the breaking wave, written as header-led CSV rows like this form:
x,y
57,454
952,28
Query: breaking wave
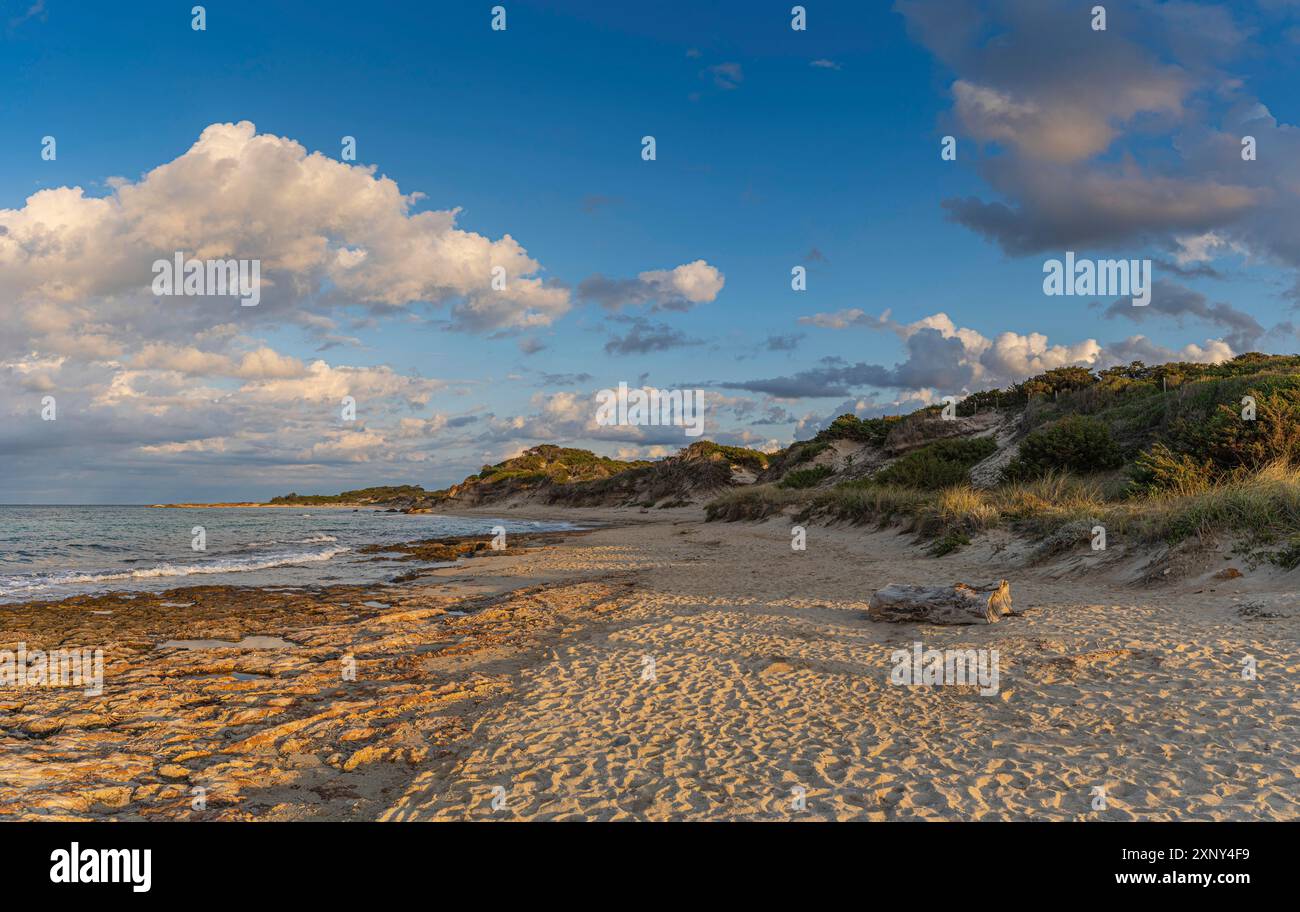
x,y
37,582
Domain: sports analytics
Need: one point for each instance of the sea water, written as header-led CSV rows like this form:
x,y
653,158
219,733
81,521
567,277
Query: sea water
x,y
51,552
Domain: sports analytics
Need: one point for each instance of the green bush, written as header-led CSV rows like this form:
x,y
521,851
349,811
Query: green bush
x,y
1273,436
1160,470
1054,382
707,449
374,495
802,452
851,427
1207,427
805,478
1288,557
1077,443
950,541
937,465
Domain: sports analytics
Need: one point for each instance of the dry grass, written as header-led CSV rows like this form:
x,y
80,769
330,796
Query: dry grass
x,y
1264,506
754,502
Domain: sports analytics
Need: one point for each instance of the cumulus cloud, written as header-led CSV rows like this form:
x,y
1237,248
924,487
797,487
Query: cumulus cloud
x,y
326,233
150,384
345,446
1048,87
942,357
681,288
1201,248
262,363
322,382
1140,348
571,416
148,387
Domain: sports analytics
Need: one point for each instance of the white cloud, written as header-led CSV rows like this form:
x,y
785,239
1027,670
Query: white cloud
x,y
697,282
346,446
1201,248
322,382
680,288
312,221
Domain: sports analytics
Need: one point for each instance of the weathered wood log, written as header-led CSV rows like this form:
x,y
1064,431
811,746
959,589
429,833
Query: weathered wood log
x,y
957,604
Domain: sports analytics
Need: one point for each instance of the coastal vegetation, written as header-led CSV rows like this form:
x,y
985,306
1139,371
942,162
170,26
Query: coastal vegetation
x,y
381,494
1153,453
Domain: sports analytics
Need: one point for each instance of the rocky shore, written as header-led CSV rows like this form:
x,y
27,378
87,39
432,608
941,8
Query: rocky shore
x,y
229,702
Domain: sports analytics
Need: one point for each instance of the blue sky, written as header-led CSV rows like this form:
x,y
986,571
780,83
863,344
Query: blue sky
x,y
775,148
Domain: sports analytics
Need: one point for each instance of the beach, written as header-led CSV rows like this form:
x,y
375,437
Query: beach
x,y
661,668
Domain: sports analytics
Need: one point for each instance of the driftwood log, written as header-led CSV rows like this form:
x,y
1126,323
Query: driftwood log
x,y
957,604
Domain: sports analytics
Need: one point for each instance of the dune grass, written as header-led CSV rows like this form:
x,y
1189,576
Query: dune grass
x,y
1262,506
754,502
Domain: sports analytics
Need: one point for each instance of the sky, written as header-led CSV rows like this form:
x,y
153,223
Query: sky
x,y
129,136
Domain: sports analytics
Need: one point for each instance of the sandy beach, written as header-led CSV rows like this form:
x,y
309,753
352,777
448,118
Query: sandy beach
x,y
664,668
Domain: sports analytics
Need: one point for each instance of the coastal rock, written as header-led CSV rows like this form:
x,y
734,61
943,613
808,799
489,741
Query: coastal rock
x,y
267,733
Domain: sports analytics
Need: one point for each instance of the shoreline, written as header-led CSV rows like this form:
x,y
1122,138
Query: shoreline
x,y
526,670
233,506
280,559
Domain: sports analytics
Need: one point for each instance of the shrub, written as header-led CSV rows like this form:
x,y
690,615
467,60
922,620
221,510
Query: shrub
x,y
1077,444
950,541
938,465
1274,434
851,427
805,478
1160,470
750,459
802,452
1288,557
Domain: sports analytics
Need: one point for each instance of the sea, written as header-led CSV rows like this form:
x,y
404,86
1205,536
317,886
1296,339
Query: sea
x,y
52,552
